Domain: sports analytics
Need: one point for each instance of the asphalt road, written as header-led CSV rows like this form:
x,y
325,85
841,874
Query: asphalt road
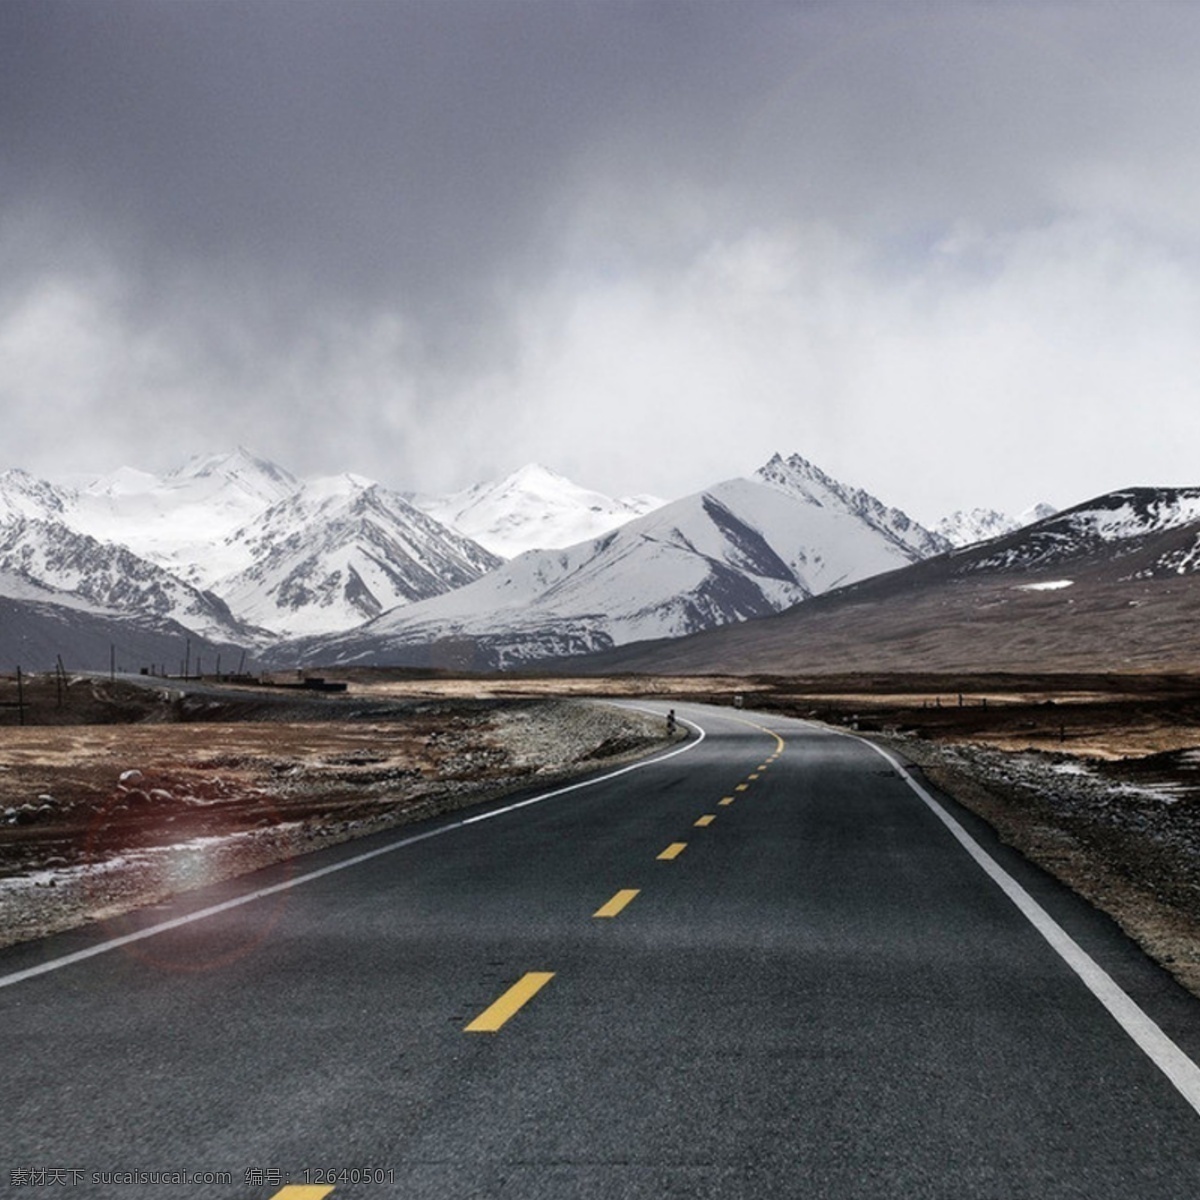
x,y
823,993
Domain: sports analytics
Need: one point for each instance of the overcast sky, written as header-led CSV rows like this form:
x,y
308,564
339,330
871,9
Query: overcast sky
x,y
950,251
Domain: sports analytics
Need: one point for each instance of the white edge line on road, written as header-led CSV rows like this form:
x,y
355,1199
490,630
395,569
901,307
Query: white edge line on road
x,y
67,960
1159,1048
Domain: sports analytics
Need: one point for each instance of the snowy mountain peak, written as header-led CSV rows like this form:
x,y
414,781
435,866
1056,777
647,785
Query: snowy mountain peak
x,y
803,480
124,481
535,474
178,520
339,551
799,477
965,528
107,577
240,468
336,487
534,508
23,496
740,549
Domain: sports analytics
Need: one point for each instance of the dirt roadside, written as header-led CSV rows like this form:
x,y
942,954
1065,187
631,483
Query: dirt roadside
x,y
173,793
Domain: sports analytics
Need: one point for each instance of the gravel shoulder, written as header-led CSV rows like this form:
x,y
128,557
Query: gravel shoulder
x,y
96,820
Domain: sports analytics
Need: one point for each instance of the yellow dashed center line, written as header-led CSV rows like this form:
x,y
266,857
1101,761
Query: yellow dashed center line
x,y
500,1011
303,1191
521,992
617,903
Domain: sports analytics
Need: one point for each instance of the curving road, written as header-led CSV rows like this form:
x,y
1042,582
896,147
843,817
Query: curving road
x,y
769,964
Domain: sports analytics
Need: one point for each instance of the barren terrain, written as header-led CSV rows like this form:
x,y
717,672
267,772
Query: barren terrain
x,y
157,793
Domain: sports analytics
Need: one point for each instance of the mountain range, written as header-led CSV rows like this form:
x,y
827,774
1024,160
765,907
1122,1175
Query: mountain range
x,y
1111,584
231,553
741,549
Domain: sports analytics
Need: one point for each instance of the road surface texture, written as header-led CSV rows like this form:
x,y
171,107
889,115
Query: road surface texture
x,y
761,965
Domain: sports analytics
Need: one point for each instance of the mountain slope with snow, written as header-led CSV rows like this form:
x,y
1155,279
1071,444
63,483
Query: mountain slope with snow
x,y
1111,584
966,528
294,557
1128,526
533,509
179,520
64,566
741,549
338,552
797,477
24,497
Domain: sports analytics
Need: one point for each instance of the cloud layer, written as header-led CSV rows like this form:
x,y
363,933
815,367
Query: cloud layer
x,y
948,251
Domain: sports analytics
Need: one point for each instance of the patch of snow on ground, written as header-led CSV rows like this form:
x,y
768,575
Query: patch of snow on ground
x,y
185,851
1049,585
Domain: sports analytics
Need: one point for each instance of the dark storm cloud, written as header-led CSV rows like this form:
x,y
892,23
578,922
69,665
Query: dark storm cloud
x,y
431,240
375,146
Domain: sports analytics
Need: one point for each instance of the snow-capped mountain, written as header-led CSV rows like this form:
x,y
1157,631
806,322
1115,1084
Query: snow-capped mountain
x,y
798,477
339,551
741,549
179,520
295,557
1150,531
24,497
233,549
56,564
965,528
1110,584
533,509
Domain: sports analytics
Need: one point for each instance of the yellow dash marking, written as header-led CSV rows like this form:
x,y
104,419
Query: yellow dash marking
x,y
764,766
707,819
521,992
741,787
674,850
303,1191
754,776
727,800
617,903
